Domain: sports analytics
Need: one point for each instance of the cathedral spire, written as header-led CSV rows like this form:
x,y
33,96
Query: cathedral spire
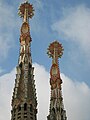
x,y
24,100
57,112
26,11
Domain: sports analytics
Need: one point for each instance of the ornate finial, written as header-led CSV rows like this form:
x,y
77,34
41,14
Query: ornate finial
x,y
55,50
26,11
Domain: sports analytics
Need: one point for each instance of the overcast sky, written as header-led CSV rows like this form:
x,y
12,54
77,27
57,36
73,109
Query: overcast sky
x,y
67,21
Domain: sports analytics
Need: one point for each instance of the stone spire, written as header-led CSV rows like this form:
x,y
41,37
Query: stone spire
x,y
57,112
24,101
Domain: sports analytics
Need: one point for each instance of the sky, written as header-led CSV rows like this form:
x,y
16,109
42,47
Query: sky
x,y
64,20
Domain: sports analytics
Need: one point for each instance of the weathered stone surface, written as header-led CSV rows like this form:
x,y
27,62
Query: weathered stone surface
x,y
24,102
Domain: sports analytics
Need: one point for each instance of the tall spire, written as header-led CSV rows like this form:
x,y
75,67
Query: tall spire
x,y
24,101
26,11
57,112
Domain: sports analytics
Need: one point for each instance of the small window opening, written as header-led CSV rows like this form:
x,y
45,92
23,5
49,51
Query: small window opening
x,y
53,110
20,65
25,106
30,65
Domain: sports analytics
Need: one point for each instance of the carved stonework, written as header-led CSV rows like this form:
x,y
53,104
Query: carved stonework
x,y
24,101
55,51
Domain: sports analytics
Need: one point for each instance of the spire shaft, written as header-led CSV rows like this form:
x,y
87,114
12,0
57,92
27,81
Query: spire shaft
x,y
26,19
24,100
57,111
